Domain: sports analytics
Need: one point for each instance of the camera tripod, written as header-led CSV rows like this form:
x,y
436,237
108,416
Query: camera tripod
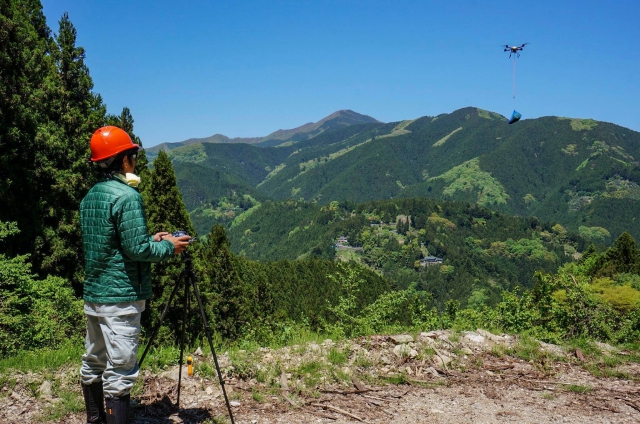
x,y
187,279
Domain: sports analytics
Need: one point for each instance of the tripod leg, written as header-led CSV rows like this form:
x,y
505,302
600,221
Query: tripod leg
x,y
192,280
185,308
154,333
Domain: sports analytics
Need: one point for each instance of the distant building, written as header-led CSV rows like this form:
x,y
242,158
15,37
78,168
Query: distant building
x,y
431,260
343,244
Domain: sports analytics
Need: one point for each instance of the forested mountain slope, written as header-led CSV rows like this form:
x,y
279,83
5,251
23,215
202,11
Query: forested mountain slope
x,y
581,173
483,251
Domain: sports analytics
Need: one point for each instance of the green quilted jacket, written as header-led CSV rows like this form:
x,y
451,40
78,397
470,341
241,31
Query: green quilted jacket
x,y
118,249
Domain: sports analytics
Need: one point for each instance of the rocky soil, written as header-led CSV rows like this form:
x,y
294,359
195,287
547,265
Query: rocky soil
x,y
434,377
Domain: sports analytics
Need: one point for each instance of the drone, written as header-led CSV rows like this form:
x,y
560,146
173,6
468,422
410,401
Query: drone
x,y
514,49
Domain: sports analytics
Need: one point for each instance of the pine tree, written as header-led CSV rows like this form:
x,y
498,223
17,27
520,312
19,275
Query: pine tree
x,y
47,116
164,205
25,66
224,293
165,211
76,112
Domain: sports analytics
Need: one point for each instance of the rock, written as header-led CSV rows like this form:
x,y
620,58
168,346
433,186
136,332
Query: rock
x,y
492,337
467,351
313,347
401,338
385,359
45,389
401,351
413,353
606,348
552,349
328,343
428,341
474,337
432,371
234,403
429,335
224,361
175,418
442,360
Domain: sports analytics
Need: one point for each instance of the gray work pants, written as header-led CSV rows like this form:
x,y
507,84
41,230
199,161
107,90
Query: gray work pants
x,y
112,349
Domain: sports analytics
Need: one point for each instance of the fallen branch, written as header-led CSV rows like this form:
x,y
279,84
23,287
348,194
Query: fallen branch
x,y
606,408
398,396
549,382
630,403
373,397
348,392
498,367
340,411
295,405
357,384
633,405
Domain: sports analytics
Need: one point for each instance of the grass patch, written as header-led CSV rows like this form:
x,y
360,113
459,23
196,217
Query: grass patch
x,y
310,372
257,395
363,361
70,402
206,370
576,388
43,359
160,358
528,349
396,379
337,357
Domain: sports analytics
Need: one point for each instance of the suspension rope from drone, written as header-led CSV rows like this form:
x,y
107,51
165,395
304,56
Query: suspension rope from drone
x,y
514,81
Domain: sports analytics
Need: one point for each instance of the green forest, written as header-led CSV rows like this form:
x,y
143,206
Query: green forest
x,y
268,219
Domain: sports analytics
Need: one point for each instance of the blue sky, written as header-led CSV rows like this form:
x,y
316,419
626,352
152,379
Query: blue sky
x,y
248,68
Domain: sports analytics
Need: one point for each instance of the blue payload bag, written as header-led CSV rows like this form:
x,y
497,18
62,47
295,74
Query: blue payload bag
x,y
515,117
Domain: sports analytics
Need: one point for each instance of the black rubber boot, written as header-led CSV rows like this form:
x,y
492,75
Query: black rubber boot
x,y
94,402
118,409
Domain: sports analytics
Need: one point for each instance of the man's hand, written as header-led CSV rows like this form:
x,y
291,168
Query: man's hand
x,y
160,236
179,243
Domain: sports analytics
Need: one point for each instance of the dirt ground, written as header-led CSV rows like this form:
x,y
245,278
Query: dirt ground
x,y
434,379
471,397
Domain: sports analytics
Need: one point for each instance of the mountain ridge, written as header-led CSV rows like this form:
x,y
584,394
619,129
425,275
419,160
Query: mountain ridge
x,y
343,117
581,173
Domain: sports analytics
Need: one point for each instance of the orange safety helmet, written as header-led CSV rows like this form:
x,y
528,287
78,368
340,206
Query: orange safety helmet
x,y
108,141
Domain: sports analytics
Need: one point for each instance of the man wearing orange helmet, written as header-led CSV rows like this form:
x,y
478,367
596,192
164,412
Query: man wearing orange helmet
x,y
118,254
